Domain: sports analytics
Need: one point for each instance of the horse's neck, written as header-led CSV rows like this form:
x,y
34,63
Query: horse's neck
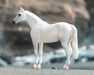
x,y
32,19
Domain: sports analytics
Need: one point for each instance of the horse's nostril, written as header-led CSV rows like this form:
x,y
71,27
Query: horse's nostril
x,y
13,22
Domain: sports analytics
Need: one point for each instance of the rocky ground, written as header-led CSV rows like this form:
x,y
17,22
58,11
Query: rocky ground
x,y
20,71
76,69
58,66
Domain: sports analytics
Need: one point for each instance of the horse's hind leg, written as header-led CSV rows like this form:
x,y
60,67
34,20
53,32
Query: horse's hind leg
x,y
67,51
69,45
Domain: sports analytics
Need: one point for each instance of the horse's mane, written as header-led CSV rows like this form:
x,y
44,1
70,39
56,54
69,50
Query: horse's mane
x,y
34,16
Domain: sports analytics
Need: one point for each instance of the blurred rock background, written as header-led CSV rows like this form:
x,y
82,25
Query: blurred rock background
x,y
15,39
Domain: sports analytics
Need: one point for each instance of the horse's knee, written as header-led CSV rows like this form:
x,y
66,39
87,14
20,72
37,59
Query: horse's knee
x,y
40,54
35,52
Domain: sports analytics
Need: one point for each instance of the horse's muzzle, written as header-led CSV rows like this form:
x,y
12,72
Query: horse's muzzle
x,y
13,22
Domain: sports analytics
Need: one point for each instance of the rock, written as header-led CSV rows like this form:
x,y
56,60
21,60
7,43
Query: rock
x,y
3,63
54,67
52,11
73,11
29,71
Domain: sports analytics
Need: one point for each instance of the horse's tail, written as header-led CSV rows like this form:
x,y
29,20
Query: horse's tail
x,y
74,43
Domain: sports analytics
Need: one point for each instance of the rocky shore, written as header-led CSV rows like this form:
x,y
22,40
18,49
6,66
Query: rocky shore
x,y
29,71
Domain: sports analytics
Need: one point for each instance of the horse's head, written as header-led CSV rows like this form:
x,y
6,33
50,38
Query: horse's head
x,y
21,16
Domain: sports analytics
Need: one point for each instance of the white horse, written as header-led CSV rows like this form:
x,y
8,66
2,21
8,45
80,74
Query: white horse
x,y
42,32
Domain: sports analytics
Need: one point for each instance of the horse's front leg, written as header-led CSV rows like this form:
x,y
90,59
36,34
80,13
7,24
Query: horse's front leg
x,y
35,44
40,55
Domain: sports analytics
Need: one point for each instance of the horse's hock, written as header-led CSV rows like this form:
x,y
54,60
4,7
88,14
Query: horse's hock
x,y
52,11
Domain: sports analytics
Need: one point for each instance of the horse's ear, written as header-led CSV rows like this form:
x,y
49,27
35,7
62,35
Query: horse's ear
x,y
21,9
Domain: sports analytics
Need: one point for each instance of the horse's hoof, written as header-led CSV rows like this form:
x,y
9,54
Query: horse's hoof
x,y
34,67
65,68
38,67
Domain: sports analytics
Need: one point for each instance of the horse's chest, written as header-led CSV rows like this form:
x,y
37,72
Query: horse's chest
x,y
48,35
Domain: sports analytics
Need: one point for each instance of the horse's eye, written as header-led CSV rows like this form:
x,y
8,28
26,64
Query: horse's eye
x,y
19,15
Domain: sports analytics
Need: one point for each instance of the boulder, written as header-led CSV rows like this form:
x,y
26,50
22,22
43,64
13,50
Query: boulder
x,y
52,11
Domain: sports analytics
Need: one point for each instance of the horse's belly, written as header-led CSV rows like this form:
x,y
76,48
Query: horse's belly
x,y
49,36
49,39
